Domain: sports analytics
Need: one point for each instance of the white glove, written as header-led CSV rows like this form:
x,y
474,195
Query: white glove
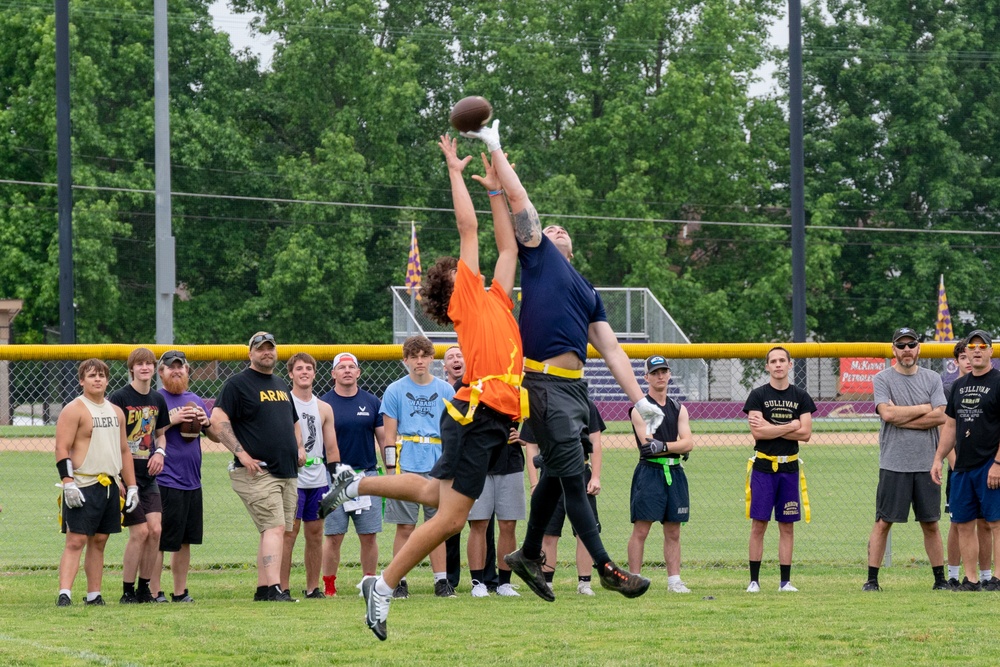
x,y
72,495
343,468
131,498
489,135
650,413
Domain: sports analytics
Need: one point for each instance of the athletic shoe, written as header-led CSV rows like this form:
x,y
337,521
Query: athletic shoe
x,y
443,589
183,597
337,495
679,587
479,589
953,583
128,598
548,585
507,591
315,594
64,600
616,579
872,586
144,597
942,585
787,588
991,585
401,592
376,607
260,597
98,601
754,587
281,596
160,597
967,585
583,588
530,570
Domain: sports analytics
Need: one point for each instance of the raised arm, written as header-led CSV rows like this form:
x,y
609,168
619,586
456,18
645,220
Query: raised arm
x,y
602,337
503,228
465,212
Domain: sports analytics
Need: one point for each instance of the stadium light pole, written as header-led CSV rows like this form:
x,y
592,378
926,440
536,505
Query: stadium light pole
x,y
166,270
64,177
797,181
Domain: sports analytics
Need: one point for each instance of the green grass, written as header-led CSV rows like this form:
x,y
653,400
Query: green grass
x,y
15,432
830,622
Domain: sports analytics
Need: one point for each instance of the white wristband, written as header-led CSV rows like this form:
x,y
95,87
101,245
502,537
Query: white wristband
x,y
161,451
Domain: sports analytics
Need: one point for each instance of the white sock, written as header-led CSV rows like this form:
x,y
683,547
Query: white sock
x,y
93,595
953,571
383,588
67,592
674,579
985,575
438,576
352,489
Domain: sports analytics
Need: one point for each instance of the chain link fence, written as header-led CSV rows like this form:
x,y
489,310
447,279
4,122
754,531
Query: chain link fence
x,y
840,461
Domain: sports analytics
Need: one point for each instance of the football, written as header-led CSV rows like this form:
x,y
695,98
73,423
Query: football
x,y
470,113
192,428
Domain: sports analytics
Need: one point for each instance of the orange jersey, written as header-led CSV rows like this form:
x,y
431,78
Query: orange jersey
x,y
489,338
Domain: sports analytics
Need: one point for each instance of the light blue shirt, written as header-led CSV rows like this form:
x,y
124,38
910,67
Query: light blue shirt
x,y
417,410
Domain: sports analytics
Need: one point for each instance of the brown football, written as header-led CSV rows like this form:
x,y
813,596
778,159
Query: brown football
x,y
192,428
470,113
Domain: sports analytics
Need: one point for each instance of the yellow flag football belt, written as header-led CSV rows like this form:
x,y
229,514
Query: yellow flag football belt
x,y
476,388
775,460
420,439
549,369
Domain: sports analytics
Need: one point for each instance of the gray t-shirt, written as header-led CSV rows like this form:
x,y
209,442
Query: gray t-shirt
x,y
907,449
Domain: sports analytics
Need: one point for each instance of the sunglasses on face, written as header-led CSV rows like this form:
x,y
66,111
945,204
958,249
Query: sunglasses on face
x,y
903,346
977,346
261,338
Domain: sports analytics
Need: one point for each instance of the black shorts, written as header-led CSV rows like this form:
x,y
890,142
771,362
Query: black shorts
x,y
468,452
149,501
898,490
559,414
652,499
101,512
182,518
559,515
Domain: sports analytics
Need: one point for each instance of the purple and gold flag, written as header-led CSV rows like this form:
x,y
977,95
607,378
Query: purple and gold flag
x,y
413,264
943,330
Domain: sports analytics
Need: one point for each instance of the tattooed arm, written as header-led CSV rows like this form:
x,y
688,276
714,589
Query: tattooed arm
x,y
527,226
224,429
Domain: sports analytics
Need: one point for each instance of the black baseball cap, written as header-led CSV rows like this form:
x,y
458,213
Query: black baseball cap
x,y
656,362
170,356
903,332
979,333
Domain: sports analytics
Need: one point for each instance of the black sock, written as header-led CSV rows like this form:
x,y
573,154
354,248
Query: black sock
x,y
938,572
128,587
261,592
582,518
583,578
786,572
477,575
755,570
549,575
143,585
543,505
872,573
504,577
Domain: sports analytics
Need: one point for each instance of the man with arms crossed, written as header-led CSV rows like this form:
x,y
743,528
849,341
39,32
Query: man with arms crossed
x,y
560,313
357,419
910,402
257,422
780,417
91,451
972,429
316,424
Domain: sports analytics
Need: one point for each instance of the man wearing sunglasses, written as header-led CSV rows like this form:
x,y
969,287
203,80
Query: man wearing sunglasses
x,y
972,429
910,402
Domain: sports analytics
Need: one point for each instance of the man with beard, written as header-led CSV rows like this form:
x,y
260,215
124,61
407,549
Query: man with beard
x,y
256,420
910,402
180,479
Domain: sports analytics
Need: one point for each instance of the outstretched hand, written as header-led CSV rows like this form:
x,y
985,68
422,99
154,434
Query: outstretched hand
x,y
491,181
448,147
488,134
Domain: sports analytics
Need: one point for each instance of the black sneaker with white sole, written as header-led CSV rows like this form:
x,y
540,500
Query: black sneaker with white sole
x,y
64,601
337,495
871,586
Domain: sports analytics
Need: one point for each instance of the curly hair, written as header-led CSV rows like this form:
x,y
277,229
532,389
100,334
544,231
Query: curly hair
x,y
435,294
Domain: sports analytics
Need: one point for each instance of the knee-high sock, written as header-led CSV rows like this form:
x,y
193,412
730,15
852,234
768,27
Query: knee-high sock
x,y
582,517
543,505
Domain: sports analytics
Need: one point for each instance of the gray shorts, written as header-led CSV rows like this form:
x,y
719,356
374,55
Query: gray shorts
x,y
406,513
503,494
559,414
898,490
366,522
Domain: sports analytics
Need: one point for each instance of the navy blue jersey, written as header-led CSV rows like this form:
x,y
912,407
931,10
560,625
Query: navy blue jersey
x,y
355,419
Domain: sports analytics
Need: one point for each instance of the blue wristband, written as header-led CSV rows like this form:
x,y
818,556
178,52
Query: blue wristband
x,y
494,193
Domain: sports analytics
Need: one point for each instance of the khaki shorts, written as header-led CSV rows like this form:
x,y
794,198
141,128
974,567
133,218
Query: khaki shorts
x,y
271,501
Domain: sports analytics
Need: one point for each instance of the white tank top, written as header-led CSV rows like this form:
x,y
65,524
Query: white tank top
x,y
105,452
312,476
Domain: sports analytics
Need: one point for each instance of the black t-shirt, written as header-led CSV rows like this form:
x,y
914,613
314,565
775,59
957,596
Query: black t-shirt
x,y
145,414
975,406
260,408
667,430
779,406
595,424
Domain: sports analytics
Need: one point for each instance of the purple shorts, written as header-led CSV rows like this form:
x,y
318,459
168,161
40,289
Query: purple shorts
x,y
774,490
308,507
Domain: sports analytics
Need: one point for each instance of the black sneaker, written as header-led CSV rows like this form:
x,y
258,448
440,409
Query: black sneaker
x,y
872,585
144,597
99,601
277,595
183,597
401,592
315,594
161,598
64,601
128,598
616,579
261,597
530,570
376,607
337,495
953,584
443,589
967,585
940,585
992,585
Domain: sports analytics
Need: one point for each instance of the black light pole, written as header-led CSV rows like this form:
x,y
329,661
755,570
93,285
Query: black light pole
x,y
64,177
797,183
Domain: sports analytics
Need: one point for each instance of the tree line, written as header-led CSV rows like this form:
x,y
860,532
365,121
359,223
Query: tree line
x,y
631,122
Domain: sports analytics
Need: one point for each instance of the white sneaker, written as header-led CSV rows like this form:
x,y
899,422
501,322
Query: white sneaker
x,y
361,593
376,607
754,587
788,588
507,591
583,588
479,590
679,587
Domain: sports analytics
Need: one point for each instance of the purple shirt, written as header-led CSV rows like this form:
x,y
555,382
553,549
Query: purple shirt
x,y
182,465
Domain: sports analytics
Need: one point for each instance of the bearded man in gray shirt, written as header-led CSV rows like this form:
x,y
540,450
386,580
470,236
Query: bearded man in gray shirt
x,y
910,402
